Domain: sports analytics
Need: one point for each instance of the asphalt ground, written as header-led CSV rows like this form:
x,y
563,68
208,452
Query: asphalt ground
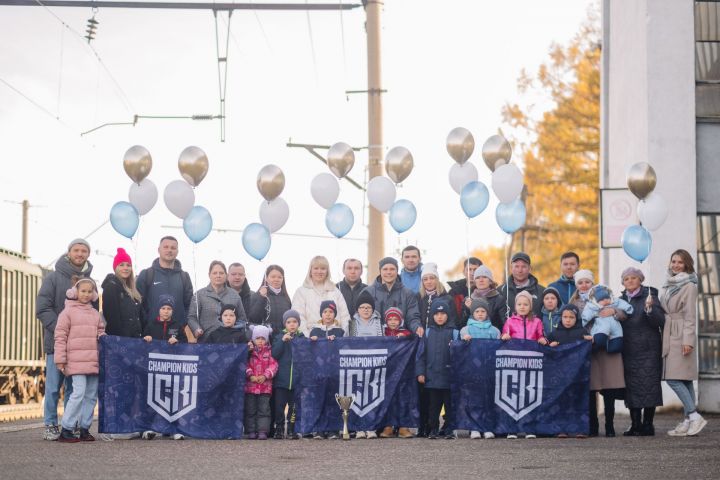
x,y
24,455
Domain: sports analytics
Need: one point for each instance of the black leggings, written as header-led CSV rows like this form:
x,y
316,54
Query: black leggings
x,y
438,398
424,403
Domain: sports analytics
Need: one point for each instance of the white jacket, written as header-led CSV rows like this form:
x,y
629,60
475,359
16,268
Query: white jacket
x,y
307,300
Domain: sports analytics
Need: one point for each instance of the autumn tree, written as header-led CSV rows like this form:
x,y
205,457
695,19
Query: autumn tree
x,y
560,149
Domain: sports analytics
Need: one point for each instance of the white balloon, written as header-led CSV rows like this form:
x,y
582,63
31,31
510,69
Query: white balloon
x,y
652,211
274,214
179,198
461,174
507,182
325,189
143,196
381,193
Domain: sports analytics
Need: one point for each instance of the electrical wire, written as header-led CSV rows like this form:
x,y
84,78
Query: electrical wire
x,y
33,102
60,70
312,45
342,38
262,30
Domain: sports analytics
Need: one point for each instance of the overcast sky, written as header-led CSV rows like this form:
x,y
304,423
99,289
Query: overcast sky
x,y
445,64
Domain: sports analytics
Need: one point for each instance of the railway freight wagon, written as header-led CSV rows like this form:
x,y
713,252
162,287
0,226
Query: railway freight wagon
x,y
22,367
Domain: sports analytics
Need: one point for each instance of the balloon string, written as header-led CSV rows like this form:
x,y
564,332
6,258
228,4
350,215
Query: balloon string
x,y
136,242
506,259
467,254
197,298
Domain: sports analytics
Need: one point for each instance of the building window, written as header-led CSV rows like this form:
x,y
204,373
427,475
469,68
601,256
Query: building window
x,y
708,294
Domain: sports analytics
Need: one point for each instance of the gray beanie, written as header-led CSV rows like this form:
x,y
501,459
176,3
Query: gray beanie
x,y
291,314
479,303
388,260
79,241
483,271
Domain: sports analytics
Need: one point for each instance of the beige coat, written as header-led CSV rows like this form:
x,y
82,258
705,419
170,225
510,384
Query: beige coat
x,y
680,329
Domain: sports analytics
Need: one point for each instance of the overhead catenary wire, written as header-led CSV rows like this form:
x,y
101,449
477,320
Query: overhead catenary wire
x,y
60,70
33,102
312,46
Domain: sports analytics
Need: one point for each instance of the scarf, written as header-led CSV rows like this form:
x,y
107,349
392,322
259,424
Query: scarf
x,y
431,293
478,294
635,293
673,283
476,327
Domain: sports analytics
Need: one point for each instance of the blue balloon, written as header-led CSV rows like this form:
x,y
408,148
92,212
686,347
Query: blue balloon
x,y
339,219
256,240
124,219
511,216
474,199
198,224
637,242
402,215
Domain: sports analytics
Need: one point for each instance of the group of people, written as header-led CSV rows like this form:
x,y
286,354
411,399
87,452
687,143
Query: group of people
x,y
639,338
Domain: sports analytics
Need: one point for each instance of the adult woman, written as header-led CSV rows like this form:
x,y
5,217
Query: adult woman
x,y
317,287
431,288
121,301
642,347
679,300
607,375
486,288
271,301
206,304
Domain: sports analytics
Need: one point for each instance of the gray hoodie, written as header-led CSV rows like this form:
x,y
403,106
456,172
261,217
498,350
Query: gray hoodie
x,y
51,298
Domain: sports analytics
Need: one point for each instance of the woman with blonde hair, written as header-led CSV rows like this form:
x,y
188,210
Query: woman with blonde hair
x,y
318,287
121,301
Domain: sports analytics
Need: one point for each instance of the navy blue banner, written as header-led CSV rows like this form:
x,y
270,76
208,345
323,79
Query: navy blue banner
x,y
379,372
196,390
521,386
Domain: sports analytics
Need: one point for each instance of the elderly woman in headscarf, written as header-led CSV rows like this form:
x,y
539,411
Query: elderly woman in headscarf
x,y
642,348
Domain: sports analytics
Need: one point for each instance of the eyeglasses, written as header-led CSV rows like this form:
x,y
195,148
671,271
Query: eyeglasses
x,y
365,307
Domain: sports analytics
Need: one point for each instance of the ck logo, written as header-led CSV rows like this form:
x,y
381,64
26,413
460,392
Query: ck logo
x,y
518,381
362,376
172,384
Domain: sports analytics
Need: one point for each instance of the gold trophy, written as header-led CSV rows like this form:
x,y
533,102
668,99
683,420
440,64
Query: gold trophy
x,y
344,403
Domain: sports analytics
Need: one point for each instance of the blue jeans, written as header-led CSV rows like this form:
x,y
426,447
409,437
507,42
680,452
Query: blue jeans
x,y
81,405
685,392
53,381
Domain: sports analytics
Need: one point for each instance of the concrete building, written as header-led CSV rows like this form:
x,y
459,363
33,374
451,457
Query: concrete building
x,y
661,105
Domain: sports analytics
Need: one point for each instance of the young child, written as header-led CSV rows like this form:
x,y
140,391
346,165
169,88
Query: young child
x,y
366,322
606,331
569,330
395,324
551,309
286,376
525,326
230,332
76,355
432,367
164,327
479,326
328,326
261,368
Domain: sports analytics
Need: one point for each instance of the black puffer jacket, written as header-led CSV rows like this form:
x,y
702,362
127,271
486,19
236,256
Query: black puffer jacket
x,y
398,296
123,315
279,304
564,335
498,307
424,306
533,288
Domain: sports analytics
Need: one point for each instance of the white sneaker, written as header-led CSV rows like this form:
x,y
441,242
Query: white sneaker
x,y
512,436
178,436
360,435
488,435
681,429
371,434
530,435
148,435
52,433
695,426
475,434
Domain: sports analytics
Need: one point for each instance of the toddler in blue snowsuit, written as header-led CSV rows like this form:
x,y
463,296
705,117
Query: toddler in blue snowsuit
x,y
606,331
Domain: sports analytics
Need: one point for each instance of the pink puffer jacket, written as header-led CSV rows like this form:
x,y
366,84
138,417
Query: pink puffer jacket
x,y
517,327
78,328
261,362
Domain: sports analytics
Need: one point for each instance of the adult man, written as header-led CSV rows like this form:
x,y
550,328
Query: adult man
x,y
520,280
459,288
565,285
166,277
50,302
238,282
412,267
351,285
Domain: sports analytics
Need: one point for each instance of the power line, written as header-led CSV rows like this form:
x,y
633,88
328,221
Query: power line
x,y
312,45
33,102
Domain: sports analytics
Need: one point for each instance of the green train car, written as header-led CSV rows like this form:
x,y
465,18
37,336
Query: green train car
x,y
22,366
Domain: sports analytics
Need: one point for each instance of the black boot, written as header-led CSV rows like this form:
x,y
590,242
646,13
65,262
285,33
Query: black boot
x,y
636,419
647,428
592,414
279,430
291,431
609,416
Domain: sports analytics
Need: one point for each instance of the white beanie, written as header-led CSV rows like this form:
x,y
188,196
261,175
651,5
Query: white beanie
x,y
584,275
430,269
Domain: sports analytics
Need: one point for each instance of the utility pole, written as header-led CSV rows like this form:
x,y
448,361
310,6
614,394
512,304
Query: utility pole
x,y
376,224
25,213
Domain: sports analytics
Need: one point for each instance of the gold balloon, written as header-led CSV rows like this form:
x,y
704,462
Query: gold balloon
x,y
270,182
193,165
496,151
641,179
341,159
137,163
460,144
398,164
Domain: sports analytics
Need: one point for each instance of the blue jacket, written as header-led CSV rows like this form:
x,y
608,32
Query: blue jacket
x,y
411,280
286,376
566,287
433,357
550,320
480,329
155,281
